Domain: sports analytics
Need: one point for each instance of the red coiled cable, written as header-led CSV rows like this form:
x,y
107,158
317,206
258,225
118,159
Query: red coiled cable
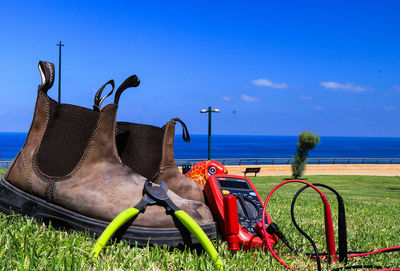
x,y
328,232
330,237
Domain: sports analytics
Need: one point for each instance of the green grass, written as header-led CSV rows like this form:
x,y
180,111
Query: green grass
x,y
373,220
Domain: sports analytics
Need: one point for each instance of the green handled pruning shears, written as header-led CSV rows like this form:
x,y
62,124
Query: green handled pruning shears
x,y
157,195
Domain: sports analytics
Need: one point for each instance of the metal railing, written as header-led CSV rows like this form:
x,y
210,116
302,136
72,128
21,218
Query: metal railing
x,y
275,161
288,161
5,164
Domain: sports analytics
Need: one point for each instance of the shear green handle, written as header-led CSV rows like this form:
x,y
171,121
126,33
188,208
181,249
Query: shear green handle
x,y
120,220
195,229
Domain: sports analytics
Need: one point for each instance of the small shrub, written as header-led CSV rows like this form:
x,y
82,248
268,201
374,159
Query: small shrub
x,y
307,141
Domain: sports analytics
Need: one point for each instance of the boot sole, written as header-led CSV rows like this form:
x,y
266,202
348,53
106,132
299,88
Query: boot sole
x,y
14,199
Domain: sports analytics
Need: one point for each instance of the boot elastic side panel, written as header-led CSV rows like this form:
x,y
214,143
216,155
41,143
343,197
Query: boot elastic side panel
x,y
140,147
67,134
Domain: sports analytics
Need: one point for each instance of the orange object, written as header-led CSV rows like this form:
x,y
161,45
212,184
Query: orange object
x,y
201,171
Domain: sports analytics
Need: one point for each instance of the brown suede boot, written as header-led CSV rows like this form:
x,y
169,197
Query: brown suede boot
x,y
149,150
69,171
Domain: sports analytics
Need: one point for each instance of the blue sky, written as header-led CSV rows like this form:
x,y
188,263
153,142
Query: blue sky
x,y
272,68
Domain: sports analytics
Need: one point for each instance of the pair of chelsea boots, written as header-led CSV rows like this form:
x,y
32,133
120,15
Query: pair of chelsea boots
x,y
79,168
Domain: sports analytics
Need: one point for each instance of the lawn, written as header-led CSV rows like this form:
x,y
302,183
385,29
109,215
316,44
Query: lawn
x,y
373,220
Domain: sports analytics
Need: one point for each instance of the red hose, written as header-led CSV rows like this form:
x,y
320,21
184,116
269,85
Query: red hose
x,y
330,237
388,249
374,252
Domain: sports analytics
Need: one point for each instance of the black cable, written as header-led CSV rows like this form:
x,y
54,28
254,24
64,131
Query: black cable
x,y
342,230
274,229
316,252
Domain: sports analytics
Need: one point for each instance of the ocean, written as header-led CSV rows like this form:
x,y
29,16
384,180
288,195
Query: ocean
x,y
240,146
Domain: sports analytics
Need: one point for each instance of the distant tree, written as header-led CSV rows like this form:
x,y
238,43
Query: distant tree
x,y
307,141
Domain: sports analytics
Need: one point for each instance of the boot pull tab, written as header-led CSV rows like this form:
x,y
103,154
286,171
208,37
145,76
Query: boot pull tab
x,y
97,100
46,70
131,81
185,131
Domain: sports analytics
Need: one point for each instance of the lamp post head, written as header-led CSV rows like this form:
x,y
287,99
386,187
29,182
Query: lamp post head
x,y
209,111
216,110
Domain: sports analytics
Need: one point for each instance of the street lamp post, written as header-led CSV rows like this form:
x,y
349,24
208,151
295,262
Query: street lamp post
x,y
209,111
59,71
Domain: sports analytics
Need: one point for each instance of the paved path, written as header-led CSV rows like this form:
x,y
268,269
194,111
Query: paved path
x,y
285,170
